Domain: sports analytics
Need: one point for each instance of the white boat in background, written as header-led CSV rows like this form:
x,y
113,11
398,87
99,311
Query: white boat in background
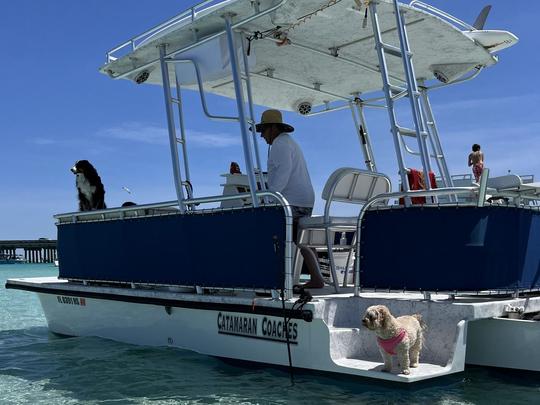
x,y
56,263
462,255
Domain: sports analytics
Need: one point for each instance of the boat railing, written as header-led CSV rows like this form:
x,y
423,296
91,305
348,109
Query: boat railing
x,y
449,191
440,13
201,91
169,207
527,178
187,16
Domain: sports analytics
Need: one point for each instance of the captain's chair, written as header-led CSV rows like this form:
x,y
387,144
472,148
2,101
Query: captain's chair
x,y
345,185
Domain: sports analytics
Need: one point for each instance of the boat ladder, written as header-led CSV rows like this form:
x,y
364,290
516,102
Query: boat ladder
x,y
425,128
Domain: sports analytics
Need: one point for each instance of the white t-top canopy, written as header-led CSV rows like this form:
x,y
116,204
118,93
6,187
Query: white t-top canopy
x,y
312,50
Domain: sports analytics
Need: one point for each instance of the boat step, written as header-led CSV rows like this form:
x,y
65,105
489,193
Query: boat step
x,y
354,351
423,371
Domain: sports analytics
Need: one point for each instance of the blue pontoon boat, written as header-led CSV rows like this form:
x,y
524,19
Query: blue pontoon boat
x,y
466,256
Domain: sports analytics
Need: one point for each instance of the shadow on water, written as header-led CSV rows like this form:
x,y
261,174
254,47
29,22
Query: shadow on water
x,y
99,370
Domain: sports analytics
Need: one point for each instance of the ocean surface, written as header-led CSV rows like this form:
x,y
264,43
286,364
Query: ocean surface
x,y
38,367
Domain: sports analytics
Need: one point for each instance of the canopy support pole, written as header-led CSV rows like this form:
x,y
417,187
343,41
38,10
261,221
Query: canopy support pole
x,y
388,96
182,139
247,73
241,113
363,134
435,139
171,127
413,94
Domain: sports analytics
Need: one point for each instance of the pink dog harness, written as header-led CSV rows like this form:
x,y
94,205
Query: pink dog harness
x,y
389,345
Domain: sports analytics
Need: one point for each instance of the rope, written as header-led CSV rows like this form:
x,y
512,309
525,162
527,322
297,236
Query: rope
x,y
305,297
286,327
260,35
283,35
285,319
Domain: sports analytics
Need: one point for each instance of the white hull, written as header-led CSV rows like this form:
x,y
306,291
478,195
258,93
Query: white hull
x,y
186,328
210,332
503,342
325,336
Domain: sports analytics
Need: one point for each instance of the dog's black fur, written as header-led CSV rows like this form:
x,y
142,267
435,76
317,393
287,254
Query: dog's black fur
x,y
89,186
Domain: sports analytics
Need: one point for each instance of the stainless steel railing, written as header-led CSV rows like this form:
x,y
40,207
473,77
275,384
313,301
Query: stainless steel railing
x,y
188,14
439,13
396,195
479,192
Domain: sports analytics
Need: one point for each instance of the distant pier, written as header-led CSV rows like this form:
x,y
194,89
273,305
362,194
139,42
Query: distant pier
x,y
34,251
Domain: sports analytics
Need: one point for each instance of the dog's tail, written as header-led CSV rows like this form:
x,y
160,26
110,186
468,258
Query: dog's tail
x,y
423,325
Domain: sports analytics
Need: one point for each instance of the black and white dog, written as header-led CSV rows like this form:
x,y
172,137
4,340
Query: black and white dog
x,y
89,186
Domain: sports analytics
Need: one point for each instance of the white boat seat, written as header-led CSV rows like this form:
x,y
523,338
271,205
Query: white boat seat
x,y
354,186
345,185
509,181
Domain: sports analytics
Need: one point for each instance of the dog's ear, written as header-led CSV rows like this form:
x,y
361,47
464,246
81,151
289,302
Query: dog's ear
x,y
384,316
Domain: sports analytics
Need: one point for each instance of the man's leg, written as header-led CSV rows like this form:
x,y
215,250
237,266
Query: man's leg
x,y
312,264
310,257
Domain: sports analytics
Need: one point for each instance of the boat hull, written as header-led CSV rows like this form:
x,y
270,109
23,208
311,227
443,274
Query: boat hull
x,y
504,342
243,332
325,334
235,335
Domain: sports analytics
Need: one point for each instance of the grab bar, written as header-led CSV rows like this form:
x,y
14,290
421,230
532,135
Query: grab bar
x,y
388,196
193,45
434,10
190,14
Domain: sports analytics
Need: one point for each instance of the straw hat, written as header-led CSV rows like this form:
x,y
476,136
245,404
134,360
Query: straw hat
x,y
273,117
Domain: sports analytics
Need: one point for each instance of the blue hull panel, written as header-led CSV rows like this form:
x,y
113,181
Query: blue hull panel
x,y
241,249
449,248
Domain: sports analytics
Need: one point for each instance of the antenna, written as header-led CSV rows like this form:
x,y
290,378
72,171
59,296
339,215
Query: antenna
x,y
482,17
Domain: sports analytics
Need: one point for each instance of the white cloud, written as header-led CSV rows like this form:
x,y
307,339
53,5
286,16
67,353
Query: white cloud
x,y
218,140
85,144
44,141
138,132
499,133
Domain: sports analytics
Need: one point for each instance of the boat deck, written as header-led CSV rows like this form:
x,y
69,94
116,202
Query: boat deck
x,y
485,304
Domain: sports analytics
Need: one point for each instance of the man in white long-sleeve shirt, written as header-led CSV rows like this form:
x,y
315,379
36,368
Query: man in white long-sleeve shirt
x,y
288,174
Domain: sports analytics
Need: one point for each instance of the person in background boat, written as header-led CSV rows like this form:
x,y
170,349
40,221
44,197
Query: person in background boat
x,y
476,160
235,168
288,175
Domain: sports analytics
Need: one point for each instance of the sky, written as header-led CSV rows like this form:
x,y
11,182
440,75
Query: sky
x,y
57,108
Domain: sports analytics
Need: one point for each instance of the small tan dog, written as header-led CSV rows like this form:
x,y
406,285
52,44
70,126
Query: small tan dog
x,y
402,336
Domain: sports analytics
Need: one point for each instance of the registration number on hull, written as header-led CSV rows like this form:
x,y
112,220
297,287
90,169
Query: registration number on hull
x,y
62,299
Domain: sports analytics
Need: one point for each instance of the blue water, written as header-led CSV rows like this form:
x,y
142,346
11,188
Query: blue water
x,y
39,367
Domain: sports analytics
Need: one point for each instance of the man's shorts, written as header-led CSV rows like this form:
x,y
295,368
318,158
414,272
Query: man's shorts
x,y
297,213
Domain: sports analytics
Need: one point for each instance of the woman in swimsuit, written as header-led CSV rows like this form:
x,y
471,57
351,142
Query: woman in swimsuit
x,y
476,160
